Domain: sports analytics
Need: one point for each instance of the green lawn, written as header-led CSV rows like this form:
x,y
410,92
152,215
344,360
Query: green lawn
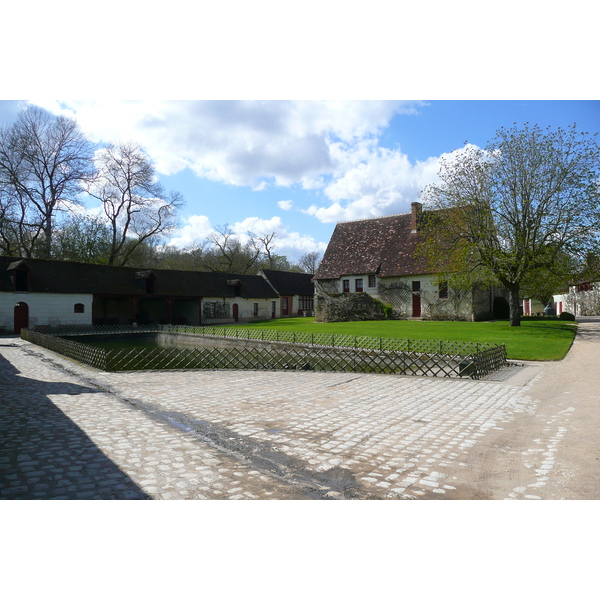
x,y
533,340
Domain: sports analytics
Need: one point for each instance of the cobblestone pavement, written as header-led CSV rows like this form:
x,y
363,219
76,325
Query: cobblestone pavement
x,y
68,431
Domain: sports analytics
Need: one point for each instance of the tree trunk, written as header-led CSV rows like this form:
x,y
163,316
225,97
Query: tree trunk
x,y
47,245
515,305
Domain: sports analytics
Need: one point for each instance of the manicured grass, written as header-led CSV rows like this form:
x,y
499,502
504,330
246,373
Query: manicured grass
x,y
533,340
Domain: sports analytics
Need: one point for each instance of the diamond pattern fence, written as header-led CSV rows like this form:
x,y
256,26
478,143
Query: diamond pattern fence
x,y
275,350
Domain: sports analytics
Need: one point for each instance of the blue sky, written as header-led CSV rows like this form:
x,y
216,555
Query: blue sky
x,y
297,167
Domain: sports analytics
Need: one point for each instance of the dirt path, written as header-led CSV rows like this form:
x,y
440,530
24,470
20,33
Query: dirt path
x,y
553,451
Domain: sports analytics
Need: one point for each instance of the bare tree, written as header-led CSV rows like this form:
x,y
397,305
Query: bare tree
x,y
309,262
267,243
137,207
16,236
44,163
228,254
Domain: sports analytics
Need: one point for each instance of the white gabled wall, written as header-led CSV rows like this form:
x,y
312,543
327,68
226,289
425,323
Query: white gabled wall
x,y
46,309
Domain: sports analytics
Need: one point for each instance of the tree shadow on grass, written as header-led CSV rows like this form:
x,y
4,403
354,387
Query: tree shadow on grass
x,y
44,454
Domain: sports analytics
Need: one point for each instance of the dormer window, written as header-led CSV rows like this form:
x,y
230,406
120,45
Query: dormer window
x,y
237,286
19,273
21,280
147,279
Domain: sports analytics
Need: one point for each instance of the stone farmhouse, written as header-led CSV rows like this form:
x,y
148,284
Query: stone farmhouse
x,y
47,292
379,256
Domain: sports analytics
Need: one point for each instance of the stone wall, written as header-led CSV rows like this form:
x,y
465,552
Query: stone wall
x,y
46,309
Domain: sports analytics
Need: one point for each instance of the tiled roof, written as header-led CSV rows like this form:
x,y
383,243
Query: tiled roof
x,y
288,283
384,246
51,276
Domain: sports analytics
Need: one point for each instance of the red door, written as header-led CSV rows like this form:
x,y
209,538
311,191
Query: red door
x,y
21,316
285,306
236,311
416,300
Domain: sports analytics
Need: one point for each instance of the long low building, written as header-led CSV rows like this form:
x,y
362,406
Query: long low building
x,y
49,292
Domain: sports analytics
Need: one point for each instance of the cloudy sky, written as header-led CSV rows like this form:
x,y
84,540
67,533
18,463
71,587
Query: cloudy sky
x,y
297,167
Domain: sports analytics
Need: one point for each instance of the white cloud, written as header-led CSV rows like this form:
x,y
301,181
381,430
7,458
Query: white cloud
x,y
290,244
374,181
195,231
237,142
287,243
327,146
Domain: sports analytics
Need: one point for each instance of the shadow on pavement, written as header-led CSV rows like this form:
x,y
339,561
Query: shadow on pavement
x,y
43,453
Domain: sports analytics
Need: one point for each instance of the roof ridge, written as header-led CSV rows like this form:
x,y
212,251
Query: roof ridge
x,y
373,218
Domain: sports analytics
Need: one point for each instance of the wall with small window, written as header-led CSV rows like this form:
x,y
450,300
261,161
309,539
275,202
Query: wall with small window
x,y
358,283
47,309
220,310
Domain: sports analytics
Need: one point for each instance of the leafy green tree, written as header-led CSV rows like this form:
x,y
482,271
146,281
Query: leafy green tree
x,y
513,209
83,238
545,282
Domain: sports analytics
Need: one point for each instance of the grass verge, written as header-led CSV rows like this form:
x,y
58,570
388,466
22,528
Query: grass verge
x,y
533,340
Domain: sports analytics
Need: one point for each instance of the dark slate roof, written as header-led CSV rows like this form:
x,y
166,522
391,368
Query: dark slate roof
x,y
384,246
81,278
288,283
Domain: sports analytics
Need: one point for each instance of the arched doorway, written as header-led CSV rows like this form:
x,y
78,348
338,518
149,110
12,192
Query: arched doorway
x,y
21,316
236,312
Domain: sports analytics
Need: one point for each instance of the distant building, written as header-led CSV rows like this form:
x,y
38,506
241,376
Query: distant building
x,y
296,292
47,292
582,298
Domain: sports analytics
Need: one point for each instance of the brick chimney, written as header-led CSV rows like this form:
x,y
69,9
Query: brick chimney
x,y
417,208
